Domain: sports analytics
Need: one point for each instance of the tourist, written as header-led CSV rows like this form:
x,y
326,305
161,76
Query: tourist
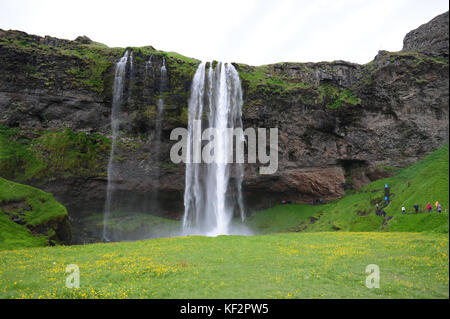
x,y
383,213
416,207
439,208
403,210
436,204
429,208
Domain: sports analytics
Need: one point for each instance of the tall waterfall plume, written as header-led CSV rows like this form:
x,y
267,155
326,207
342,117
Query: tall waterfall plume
x,y
213,192
119,81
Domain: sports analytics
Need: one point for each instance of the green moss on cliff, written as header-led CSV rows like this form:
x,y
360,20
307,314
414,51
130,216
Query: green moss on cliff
x,y
146,84
262,79
336,98
72,153
97,59
271,83
177,117
51,154
17,158
90,65
83,64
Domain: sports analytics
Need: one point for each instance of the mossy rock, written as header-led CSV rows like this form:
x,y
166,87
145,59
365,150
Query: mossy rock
x,y
30,217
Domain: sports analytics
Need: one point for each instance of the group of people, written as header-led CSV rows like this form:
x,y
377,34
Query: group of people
x,y
317,201
387,195
429,208
379,211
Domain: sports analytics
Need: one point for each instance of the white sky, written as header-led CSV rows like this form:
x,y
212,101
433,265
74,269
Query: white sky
x,y
247,31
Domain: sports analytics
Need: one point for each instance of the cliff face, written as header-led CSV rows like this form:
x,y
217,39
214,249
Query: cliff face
x,y
430,38
347,124
341,125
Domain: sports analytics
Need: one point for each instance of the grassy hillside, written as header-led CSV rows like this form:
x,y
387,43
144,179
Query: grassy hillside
x,y
282,218
306,265
426,181
32,209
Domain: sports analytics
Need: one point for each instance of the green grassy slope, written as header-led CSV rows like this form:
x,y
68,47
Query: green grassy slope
x,y
282,218
305,265
33,207
426,181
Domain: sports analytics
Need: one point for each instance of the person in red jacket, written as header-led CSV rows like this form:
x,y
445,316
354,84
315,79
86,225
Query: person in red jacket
x,y
429,208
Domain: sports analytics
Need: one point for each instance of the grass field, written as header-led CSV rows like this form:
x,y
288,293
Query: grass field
x,y
306,265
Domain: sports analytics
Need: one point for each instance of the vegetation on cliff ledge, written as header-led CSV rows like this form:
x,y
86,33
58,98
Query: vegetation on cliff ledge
x,y
336,98
51,154
270,82
90,65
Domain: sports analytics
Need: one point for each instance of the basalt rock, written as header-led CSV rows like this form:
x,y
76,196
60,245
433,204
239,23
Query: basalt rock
x,y
430,38
83,39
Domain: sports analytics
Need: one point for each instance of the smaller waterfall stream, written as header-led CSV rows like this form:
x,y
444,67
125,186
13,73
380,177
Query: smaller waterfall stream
x,y
157,137
130,79
149,64
118,88
160,106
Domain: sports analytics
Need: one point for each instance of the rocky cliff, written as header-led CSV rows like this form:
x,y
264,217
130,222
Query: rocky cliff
x,y
341,124
430,38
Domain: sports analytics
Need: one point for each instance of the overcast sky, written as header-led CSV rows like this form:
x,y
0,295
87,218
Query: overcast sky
x,y
247,31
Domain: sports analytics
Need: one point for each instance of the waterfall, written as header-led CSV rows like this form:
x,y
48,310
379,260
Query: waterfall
x,y
210,199
130,79
118,88
149,64
158,131
160,103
